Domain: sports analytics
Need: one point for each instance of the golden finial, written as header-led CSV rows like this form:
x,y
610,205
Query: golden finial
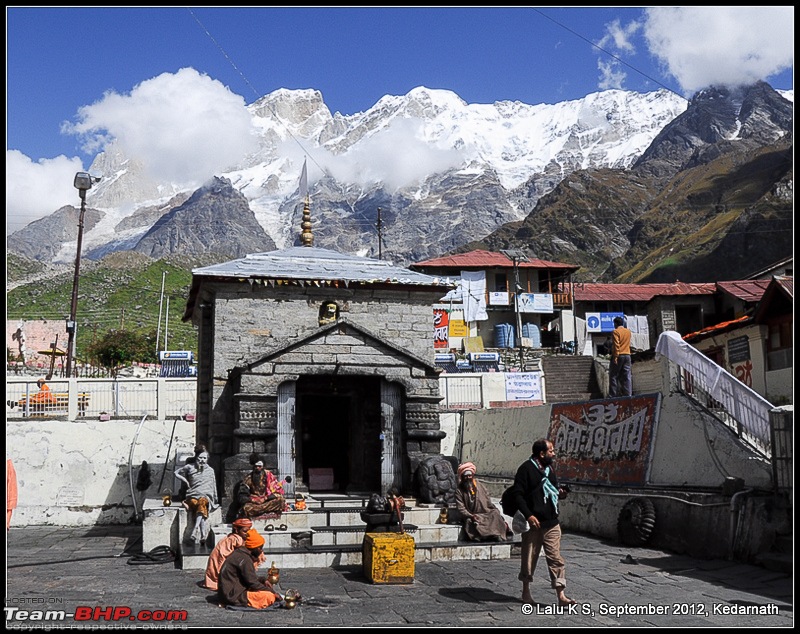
x,y
306,237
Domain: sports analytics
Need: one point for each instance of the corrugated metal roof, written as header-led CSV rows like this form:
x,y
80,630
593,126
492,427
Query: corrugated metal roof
x,y
746,290
595,292
786,282
479,259
312,263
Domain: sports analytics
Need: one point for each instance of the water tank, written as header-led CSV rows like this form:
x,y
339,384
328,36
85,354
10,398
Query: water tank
x,y
503,336
532,332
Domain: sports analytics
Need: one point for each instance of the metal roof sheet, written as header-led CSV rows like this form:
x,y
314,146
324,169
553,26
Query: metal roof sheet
x,y
313,263
746,290
480,259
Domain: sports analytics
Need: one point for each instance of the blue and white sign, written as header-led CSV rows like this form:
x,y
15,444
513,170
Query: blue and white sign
x,y
523,386
601,322
535,302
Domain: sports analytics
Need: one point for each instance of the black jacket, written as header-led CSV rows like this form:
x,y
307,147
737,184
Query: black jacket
x,y
529,494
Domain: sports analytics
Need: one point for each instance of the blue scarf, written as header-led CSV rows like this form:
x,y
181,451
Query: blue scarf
x,y
547,487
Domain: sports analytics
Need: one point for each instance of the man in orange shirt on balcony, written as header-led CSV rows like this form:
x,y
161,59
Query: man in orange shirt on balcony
x,y
619,372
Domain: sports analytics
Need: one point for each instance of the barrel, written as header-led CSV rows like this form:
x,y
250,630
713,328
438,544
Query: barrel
x,y
503,336
532,332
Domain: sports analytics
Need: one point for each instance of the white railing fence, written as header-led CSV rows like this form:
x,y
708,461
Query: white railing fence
x,y
743,410
74,399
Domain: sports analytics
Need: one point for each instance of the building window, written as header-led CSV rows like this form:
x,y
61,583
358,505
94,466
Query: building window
x,y
501,282
779,343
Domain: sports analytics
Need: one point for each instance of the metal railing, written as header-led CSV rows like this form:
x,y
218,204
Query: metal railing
x,y
733,403
74,399
461,391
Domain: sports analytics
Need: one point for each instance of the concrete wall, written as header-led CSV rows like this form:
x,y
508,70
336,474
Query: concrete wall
x,y
76,473
689,447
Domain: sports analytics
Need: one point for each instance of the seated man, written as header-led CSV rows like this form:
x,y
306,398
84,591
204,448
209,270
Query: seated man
x,y
238,583
482,519
44,396
261,492
201,494
224,548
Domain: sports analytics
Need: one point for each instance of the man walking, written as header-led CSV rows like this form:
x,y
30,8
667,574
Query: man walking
x,y
537,494
619,371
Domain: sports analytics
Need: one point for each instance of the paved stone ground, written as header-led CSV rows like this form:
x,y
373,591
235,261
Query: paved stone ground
x,y
78,570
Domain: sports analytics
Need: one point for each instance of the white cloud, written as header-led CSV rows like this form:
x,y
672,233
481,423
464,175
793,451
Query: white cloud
x,y
704,46
397,156
611,75
182,126
36,190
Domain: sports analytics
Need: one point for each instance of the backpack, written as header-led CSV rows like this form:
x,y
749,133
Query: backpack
x,y
508,502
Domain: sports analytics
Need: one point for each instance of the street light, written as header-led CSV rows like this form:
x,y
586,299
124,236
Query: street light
x,y
83,183
516,256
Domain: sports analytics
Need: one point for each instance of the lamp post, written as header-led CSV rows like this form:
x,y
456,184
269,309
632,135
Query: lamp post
x,y
83,183
516,256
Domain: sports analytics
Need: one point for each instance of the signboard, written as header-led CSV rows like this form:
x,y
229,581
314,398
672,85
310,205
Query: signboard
x,y
738,350
535,303
499,298
441,322
601,322
605,442
523,386
458,328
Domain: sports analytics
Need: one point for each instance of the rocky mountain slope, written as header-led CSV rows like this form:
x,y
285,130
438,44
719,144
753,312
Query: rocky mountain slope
x,y
710,199
631,187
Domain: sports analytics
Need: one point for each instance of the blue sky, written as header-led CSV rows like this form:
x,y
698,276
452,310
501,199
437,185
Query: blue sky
x,y
74,65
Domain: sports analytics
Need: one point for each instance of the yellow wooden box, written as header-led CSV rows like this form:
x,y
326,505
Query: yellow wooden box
x,y
388,557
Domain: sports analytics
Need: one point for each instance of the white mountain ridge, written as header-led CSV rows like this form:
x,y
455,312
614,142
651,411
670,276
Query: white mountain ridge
x,y
427,131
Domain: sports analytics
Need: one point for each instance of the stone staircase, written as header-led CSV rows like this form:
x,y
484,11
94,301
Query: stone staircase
x,y
330,533
569,378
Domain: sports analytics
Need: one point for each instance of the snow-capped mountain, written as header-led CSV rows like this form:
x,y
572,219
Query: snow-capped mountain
x,y
442,171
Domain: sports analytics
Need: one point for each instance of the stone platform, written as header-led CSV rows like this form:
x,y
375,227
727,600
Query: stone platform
x,y
328,533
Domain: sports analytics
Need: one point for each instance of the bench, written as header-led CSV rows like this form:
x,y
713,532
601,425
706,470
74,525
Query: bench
x,y
51,403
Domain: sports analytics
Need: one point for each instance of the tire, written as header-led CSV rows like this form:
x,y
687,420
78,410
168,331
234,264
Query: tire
x,y
636,522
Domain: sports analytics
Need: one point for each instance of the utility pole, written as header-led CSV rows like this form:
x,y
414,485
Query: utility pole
x,y
516,256
160,306
166,325
380,236
83,183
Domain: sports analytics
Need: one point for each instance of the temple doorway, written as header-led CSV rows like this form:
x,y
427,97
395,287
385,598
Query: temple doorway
x,y
338,441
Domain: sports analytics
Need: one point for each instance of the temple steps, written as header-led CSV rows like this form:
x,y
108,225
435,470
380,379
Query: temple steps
x,y
330,533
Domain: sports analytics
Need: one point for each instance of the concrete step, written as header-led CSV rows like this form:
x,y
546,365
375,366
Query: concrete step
x,y
329,532
326,556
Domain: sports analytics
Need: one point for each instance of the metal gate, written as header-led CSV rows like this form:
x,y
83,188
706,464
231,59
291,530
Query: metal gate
x,y
391,417
286,436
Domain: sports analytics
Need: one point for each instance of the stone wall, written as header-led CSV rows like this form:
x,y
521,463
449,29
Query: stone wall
x,y
77,473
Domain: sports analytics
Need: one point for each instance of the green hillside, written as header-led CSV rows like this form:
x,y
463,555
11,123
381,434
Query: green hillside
x,y
121,291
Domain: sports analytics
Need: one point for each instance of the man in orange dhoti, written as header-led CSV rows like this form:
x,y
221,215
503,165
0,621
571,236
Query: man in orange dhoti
x,y
224,548
238,583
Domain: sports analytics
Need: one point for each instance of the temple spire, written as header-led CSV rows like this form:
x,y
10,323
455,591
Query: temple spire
x,y
306,237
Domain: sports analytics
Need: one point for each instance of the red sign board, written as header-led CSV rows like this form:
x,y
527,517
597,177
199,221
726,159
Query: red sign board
x,y
605,442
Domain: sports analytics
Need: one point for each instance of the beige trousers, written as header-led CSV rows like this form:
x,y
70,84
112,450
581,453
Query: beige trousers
x,y
533,540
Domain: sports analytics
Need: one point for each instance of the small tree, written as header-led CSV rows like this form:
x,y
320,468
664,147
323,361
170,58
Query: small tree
x,y
119,348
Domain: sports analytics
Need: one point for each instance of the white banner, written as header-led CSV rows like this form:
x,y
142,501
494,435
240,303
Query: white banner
x,y
523,386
